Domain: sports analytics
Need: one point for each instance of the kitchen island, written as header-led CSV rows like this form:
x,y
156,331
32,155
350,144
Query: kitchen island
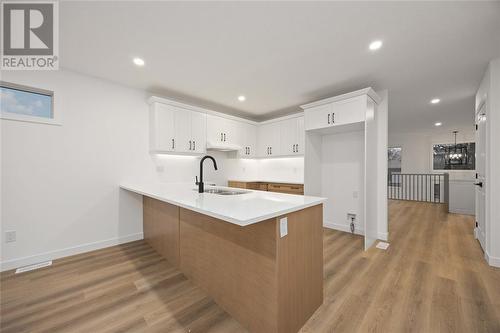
x,y
258,254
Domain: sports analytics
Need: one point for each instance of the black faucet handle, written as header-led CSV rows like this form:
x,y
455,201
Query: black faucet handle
x,y
196,183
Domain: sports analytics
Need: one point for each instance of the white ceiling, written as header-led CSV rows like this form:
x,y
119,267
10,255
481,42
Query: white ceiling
x,y
284,54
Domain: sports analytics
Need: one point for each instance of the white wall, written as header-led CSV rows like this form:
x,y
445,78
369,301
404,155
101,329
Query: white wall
x,y
342,174
60,183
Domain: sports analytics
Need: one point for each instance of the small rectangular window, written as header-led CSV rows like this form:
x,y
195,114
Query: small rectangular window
x,y
24,103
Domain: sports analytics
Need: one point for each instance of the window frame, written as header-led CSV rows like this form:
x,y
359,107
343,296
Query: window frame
x,y
54,120
431,159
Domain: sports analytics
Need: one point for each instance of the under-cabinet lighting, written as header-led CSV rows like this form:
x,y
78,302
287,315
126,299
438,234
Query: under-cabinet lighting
x,y
241,98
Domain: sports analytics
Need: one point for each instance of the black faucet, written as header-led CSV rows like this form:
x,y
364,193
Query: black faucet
x,y
201,187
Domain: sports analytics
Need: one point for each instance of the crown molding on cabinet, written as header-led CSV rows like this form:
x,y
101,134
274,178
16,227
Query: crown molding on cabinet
x,y
366,91
154,99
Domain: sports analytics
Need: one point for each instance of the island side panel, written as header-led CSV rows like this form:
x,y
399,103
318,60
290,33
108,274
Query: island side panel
x,y
161,228
235,265
300,268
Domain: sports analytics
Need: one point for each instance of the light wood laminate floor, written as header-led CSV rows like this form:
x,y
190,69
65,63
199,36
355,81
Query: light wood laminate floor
x,y
431,279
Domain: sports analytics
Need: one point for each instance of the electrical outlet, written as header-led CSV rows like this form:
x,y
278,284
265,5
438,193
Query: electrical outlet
x,y
283,227
10,236
351,217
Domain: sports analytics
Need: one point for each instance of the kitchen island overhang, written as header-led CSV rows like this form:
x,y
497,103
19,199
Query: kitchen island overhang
x,y
268,280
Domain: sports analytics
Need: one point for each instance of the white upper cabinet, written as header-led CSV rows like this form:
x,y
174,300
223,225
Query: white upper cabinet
x,y
292,136
269,137
175,129
340,110
221,130
247,139
161,129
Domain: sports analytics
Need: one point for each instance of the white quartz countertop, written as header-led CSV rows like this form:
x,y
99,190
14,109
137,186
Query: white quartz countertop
x,y
242,209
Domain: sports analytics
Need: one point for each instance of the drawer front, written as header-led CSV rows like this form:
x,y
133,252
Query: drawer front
x,y
286,188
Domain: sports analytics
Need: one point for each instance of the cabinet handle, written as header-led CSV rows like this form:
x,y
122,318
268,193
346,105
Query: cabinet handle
x,y
190,145
328,119
221,137
297,148
224,137
293,148
271,150
248,150
333,118
194,145
173,144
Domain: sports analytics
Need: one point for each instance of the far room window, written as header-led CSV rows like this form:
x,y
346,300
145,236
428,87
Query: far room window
x,y
454,156
24,103
394,165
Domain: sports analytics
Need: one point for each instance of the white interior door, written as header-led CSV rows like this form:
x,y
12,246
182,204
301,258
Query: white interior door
x,y
480,230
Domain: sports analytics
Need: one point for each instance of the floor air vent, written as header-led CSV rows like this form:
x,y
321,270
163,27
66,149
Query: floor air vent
x,y
33,267
382,245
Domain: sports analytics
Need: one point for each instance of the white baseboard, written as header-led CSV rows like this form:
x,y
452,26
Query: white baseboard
x,y
461,211
492,261
384,236
69,251
342,227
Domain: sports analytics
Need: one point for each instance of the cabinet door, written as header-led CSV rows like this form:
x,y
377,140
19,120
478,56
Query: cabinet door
x,y
214,128
199,132
349,111
288,136
251,140
318,116
230,131
264,140
182,121
275,139
301,142
162,127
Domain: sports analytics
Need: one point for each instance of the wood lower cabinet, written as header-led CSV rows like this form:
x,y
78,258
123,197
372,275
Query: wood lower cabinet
x,y
271,187
268,283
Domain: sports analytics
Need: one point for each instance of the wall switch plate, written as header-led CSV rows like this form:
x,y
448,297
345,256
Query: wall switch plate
x,y
10,236
283,227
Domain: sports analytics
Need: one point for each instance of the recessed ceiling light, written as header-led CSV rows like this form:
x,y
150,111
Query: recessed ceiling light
x,y
138,61
375,45
435,100
241,98
438,124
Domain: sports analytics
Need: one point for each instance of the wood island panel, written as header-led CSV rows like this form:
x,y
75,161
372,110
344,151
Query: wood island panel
x,y
235,265
267,282
300,268
271,187
161,228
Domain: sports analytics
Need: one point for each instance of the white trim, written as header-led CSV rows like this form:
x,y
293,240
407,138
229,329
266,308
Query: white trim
x,y
69,251
156,99
366,91
342,227
290,116
384,236
461,211
492,261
